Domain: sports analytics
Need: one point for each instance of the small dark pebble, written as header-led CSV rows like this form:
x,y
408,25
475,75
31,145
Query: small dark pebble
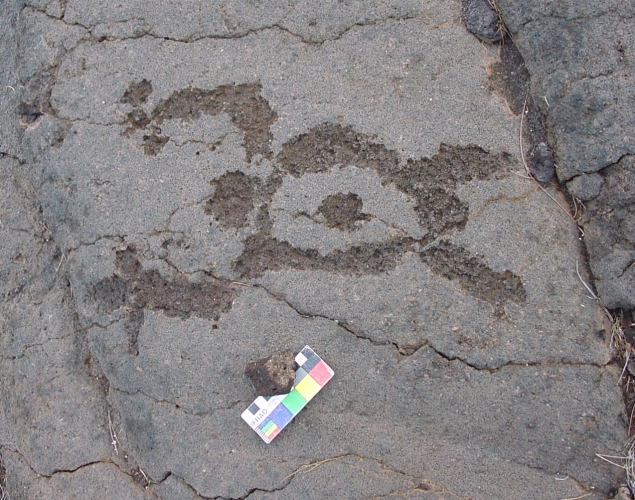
x,y
542,165
482,20
273,375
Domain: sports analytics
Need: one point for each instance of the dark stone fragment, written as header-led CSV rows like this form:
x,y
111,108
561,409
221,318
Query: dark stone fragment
x,y
273,375
482,20
542,165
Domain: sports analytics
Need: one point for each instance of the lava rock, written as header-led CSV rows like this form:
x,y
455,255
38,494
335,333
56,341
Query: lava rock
x,y
542,166
482,20
273,375
623,493
585,187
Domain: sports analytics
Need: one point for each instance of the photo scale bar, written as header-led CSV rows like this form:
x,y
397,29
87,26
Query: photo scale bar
x,y
268,416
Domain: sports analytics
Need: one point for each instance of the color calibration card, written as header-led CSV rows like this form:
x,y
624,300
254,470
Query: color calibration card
x,y
268,416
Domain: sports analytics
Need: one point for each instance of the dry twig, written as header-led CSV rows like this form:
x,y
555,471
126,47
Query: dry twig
x,y
626,462
595,297
630,420
309,467
520,138
628,357
3,481
60,264
577,215
578,498
577,270
502,29
240,283
113,435
142,477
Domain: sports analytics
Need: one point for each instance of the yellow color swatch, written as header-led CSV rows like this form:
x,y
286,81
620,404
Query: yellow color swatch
x,y
308,387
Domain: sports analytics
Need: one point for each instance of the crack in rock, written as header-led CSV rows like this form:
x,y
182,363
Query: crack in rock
x,y
424,484
407,350
176,405
105,31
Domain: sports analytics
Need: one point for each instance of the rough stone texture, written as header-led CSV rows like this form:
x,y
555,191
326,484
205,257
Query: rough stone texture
x,y
273,375
152,426
585,187
354,476
9,75
189,20
53,411
580,56
198,186
610,235
482,20
509,77
98,480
